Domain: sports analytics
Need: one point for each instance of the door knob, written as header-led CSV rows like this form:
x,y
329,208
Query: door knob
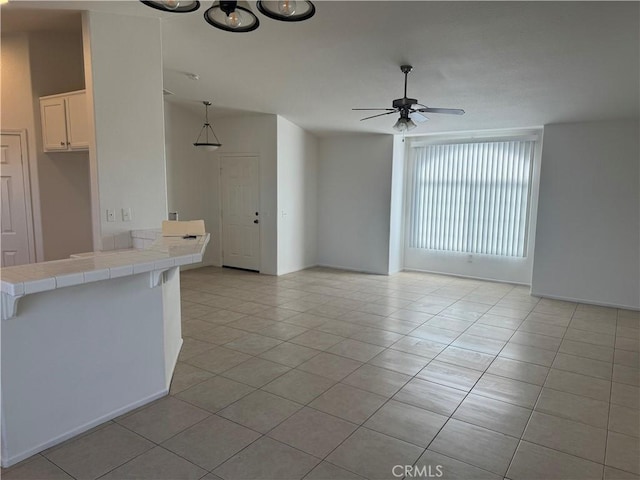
x,y
62,143
256,221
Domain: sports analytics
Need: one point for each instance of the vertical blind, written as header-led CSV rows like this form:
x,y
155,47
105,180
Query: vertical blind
x,y
471,197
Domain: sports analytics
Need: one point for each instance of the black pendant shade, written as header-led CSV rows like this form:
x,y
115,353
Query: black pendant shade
x,y
236,16
287,10
208,144
231,16
173,6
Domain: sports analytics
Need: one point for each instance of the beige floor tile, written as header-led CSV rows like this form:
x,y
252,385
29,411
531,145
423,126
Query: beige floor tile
x,y
328,471
157,464
507,390
630,344
399,362
597,325
221,316
35,468
590,337
611,473
376,336
313,432
498,321
419,346
435,465
542,328
571,437
479,344
517,370
625,420
377,380
411,315
449,323
561,321
215,393
466,358
348,403
573,407
211,442
316,339
253,344
222,334
260,411
450,375
627,375
583,366
535,340
578,384
475,445
489,331
267,459
406,422
587,350
192,347
282,331
93,455
218,359
625,395
299,386
525,353
493,414
340,328
430,396
163,419
510,312
185,376
438,335
276,314
290,354
622,452
330,366
625,357
356,350
535,462
373,455
256,372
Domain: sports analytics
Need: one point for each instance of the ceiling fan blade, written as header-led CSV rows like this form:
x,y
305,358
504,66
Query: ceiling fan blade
x,y
451,111
379,115
388,109
417,117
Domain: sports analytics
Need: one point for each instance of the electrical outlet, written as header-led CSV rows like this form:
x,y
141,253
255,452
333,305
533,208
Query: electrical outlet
x,y
126,215
111,215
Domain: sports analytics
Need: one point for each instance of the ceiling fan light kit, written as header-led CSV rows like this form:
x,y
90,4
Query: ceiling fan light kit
x,y
207,145
409,109
236,16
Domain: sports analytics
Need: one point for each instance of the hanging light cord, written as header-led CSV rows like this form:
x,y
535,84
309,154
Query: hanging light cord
x,y
207,126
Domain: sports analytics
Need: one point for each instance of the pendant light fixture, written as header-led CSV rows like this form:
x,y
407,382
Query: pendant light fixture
x,y
404,124
207,145
236,16
287,10
231,16
175,6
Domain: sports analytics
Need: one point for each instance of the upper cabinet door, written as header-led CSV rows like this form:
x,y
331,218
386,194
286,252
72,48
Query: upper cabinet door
x,y
54,125
77,125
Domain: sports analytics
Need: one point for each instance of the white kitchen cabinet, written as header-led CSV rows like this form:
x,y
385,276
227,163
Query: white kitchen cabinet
x,y
64,122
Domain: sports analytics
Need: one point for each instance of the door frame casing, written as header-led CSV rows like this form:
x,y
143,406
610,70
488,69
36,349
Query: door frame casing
x,y
221,158
32,206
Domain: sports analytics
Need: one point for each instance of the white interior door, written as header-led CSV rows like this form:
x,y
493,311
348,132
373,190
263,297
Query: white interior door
x,y
16,247
240,213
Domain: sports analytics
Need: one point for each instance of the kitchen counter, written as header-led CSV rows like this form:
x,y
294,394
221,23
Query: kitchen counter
x,y
86,339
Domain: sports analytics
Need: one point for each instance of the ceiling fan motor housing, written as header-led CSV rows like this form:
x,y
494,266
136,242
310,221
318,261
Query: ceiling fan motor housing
x,y
404,102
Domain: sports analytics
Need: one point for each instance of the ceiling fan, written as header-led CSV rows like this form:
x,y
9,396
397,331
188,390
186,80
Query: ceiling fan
x,y
409,109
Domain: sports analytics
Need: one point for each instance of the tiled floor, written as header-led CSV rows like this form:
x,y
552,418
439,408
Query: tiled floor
x,y
325,374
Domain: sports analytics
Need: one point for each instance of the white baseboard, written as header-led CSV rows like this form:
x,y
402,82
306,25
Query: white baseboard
x,y
351,269
484,279
582,300
7,462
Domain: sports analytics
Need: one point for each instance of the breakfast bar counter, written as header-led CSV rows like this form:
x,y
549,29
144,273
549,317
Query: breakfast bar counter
x,y
86,339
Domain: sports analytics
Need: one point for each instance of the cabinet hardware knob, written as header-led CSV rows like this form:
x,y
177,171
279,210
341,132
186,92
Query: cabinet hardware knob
x,y
256,221
62,143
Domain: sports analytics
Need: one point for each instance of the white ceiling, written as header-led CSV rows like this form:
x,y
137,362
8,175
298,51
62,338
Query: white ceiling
x,y
508,64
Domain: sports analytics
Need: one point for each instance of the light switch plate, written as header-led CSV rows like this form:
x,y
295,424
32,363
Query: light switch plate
x,y
126,214
111,215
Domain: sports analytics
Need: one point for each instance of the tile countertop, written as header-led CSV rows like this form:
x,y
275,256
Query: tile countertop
x,y
164,252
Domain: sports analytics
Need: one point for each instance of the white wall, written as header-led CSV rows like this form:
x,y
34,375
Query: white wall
x,y
124,62
588,232
17,112
57,67
252,135
297,197
190,174
354,197
396,222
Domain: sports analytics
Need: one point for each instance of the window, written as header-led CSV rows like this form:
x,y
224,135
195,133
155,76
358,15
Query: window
x,y
471,197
